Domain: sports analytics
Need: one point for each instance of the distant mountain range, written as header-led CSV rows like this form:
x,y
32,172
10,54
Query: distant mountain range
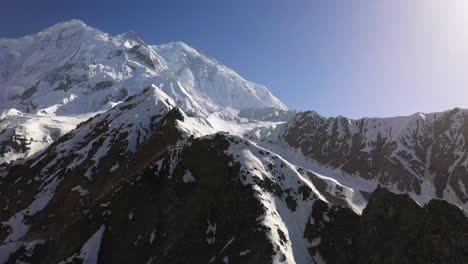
x,y
117,151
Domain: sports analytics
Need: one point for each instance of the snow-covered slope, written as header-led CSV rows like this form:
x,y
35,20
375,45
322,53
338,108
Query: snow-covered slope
x,y
143,167
71,69
425,155
203,79
86,175
23,134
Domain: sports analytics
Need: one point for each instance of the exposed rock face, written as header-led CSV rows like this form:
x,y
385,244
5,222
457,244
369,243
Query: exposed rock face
x,y
21,134
391,229
134,184
155,216
421,154
193,203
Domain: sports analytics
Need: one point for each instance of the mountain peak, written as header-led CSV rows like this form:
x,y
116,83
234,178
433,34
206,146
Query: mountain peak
x,y
67,25
73,69
74,22
132,36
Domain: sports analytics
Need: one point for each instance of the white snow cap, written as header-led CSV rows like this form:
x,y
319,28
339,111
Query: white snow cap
x,y
71,68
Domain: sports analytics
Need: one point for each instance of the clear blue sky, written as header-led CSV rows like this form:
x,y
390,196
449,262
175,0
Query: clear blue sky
x,y
353,58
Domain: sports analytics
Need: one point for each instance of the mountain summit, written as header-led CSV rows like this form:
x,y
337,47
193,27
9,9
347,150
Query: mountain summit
x,y
71,68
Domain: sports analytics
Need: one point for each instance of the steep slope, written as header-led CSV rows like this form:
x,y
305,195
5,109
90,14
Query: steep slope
x,y
422,154
257,208
22,134
107,145
205,80
73,70
392,229
140,167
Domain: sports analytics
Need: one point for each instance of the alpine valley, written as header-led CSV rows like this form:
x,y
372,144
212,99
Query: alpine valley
x,y
116,151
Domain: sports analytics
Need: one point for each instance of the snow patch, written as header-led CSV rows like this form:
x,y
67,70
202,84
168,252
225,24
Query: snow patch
x,y
188,177
89,251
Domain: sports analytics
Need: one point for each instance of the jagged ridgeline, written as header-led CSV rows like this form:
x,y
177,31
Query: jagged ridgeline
x,y
116,151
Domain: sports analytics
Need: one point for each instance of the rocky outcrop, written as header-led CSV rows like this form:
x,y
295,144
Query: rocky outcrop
x,y
158,215
392,229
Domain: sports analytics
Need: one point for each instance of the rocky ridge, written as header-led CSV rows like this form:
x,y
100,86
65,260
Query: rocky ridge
x,y
423,154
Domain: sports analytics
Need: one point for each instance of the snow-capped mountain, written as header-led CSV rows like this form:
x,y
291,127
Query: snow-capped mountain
x,y
71,69
122,152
